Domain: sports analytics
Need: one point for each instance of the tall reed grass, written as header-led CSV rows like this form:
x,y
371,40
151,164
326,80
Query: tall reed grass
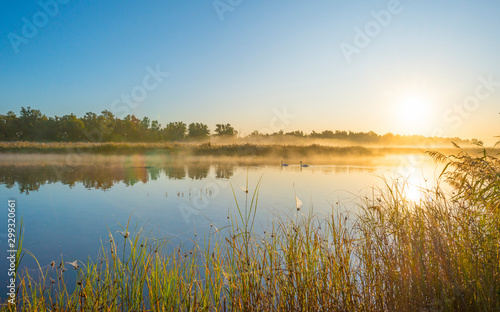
x,y
441,253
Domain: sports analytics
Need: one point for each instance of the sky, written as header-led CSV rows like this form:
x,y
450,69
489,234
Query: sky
x,y
408,67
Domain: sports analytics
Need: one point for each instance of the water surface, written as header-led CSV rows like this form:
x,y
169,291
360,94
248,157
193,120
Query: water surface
x,y
69,204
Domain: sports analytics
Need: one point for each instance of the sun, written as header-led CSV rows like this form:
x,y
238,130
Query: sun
x,y
413,109
414,112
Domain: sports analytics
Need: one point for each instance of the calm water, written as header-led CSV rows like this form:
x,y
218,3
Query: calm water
x,y
68,205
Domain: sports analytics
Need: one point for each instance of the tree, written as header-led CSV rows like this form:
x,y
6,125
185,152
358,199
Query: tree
x,y
198,131
129,128
28,121
175,131
255,134
296,133
225,130
156,126
145,123
91,121
327,134
71,128
9,126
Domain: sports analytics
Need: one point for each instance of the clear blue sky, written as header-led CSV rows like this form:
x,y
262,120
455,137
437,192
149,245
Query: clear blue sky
x,y
263,56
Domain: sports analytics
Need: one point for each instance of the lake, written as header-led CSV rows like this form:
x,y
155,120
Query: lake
x,y
69,204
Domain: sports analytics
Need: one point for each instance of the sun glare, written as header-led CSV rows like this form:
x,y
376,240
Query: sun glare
x,y
413,192
414,186
413,109
414,113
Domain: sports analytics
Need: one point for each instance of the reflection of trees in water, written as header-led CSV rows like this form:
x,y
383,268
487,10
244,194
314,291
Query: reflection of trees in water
x,y
154,173
27,181
224,171
135,174
198,171
176,172
31,177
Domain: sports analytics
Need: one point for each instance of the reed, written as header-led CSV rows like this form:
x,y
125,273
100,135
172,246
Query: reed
x,y
194,149
441,253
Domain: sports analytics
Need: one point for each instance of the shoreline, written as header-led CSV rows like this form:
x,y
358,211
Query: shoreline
x,y
213,149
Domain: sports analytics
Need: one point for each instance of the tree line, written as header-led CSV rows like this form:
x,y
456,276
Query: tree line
x,y
32,125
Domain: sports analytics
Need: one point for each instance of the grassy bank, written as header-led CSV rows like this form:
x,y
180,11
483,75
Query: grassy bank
x,y
183,149
214,149
439,254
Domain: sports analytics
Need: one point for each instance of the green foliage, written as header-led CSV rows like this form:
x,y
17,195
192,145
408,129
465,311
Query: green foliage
x,y
175,131
198,131
32,125
9,127
225,130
